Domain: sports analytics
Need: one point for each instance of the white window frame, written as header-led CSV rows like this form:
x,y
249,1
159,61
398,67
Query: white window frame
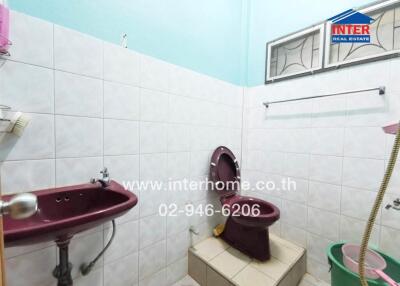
x,y
270,45
366,58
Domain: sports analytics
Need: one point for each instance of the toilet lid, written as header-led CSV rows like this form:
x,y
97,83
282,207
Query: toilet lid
x,y
224,171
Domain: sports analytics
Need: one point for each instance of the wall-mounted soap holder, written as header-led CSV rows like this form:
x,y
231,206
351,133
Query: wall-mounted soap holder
x,y
15,124
5,123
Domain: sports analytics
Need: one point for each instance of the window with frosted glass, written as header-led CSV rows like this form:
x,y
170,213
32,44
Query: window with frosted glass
x,y
297,54
311,50
385,38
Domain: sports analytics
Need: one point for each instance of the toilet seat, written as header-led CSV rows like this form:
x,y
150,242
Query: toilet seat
x,y
225,168
225,172
244,230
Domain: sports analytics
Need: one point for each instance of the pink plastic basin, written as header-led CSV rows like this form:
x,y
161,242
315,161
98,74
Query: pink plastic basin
x,y
374,263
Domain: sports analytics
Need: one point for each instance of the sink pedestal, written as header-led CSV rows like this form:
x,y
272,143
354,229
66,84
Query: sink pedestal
x,y
63,270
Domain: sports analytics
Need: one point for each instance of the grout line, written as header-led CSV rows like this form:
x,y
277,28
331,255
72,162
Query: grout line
x,y
168,163
54,110
103,137
131,120
320,155
242,137
55,128
140,179
308,185
342,171
294,177
106,155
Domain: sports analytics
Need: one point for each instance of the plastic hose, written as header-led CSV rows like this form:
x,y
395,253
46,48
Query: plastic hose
x,y
376,207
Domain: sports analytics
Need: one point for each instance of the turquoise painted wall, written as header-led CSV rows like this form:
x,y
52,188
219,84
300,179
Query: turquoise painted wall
x,y
204,36
221,38
271,19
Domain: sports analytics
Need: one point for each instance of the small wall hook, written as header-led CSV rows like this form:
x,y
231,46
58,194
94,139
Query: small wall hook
x,y
124,42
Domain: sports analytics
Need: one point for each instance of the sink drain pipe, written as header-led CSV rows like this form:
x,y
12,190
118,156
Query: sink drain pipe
x,y
87,268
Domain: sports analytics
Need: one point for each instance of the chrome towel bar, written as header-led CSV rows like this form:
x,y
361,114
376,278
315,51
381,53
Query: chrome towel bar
x,y
4,107
380,89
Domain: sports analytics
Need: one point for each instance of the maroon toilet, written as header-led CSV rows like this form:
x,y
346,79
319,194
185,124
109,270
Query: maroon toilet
x,y
247,232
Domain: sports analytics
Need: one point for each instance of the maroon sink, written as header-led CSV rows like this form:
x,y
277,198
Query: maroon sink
x,y
63,212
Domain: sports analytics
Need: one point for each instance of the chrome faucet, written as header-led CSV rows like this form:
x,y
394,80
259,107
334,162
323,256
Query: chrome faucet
x,y
396,205
105,180
193,230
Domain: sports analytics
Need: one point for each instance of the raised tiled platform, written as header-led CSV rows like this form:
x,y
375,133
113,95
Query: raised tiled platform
x,y
214,263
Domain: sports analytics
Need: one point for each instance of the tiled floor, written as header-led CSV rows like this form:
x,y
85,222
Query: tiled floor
x,y
214,263
188,281
307,280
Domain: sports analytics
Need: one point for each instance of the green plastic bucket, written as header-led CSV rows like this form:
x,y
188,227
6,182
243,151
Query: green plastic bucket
x,y
341,276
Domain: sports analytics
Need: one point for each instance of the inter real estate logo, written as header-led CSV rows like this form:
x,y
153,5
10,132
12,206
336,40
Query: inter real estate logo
x,y
350,27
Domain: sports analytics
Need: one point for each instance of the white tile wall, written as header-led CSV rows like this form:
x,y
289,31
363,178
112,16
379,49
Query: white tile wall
x,y
77,53
78,136
176,269
152,259
153,106
152,229
38,31
37,174
121,65
337,147
121,101
36,262
324,196
85,246
121,137
126,241
26,87
153,137
70,171
177,246
78,95
94,104
116,274
327,169
154,74
35,143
